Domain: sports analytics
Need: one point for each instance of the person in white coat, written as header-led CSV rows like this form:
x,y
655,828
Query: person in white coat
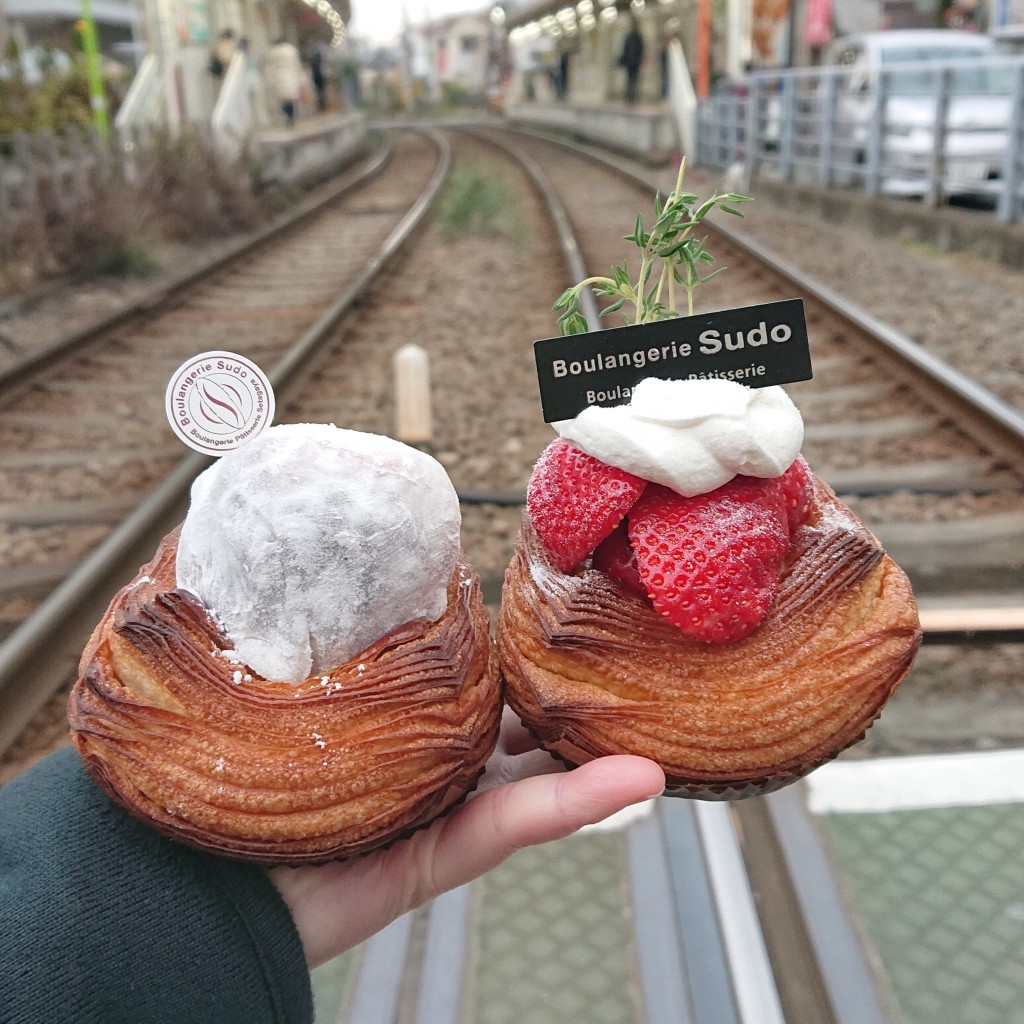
x,y
284,71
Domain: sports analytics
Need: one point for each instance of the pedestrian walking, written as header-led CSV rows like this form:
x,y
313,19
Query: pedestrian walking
x,y
631,59
220,56
319,77
284,71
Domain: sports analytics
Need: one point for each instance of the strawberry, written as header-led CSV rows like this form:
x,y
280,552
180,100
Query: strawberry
x,y
616,557
575,501
797,485
711,563
753,490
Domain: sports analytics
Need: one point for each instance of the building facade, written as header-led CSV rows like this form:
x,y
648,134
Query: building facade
x,y
36,26
183,34
571,50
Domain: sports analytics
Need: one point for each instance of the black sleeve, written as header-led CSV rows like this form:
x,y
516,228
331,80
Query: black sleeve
x,y
103,920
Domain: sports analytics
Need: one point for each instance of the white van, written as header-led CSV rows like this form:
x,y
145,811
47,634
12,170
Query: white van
x,y
981,84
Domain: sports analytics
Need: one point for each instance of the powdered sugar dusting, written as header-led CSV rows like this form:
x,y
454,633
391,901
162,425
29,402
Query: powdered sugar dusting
x,y
310,542
543,576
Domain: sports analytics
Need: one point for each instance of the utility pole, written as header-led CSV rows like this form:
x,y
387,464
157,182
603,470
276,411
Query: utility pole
x,y
5,33
94,70
703,82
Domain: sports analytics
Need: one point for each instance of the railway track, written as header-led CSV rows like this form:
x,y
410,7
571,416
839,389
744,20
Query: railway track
x,y
86,415
937,473
932,462
897,433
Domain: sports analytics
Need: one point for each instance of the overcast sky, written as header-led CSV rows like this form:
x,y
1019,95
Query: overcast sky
x,y
381,20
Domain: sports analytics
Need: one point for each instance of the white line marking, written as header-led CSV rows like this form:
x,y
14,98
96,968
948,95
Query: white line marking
x,y
918,783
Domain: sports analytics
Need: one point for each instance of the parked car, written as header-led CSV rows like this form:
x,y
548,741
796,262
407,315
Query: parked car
x,y
976,125
1009,39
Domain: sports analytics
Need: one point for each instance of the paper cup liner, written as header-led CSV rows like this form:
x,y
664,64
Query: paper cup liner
x,y
694,789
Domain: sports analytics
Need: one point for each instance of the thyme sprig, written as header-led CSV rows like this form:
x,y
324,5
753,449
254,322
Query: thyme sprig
x,y
670,255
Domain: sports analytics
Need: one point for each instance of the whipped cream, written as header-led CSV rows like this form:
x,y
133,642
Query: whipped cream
x,y
310,542
692,435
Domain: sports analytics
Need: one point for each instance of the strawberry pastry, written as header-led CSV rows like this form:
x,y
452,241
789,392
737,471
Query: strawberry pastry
x,y
683,587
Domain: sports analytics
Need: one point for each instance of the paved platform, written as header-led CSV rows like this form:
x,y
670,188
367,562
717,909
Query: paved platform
x,y
931,854
546,937
949,228
645,131
616,927
312,149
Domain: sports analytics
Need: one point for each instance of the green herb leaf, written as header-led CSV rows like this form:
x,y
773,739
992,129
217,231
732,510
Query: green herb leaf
x,y
573,323
564,299
671,254
714,273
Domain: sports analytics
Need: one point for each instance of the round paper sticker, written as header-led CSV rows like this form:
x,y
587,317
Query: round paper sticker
x,y
218,401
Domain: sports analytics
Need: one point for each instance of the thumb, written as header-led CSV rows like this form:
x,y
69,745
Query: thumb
x,y
482,833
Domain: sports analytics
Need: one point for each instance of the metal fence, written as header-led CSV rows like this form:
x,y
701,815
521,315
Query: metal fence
x,y
47,173
932,131
53,174
39,165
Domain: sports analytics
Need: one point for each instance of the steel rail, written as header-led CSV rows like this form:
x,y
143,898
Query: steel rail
x,y
26,367
40,655
1001,423
378,986
708,976
853,994
575,266
445,958
661,961
757,996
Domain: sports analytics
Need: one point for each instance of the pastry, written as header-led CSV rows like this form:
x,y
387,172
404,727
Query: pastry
x,y
304,671
684,588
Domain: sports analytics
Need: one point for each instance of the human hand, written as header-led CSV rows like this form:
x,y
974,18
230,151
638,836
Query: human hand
x,y
525,798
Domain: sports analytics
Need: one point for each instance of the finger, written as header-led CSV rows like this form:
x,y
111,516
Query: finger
x,y
481,834
514,737
341,904
502,769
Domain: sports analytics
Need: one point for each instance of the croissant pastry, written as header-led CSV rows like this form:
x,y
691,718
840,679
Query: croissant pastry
x,y
594,666
176,727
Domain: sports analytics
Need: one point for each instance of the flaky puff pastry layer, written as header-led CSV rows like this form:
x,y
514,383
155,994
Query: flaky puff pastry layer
x,y
592,669
201,749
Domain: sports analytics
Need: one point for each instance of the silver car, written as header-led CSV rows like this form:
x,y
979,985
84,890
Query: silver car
x,y
888,102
